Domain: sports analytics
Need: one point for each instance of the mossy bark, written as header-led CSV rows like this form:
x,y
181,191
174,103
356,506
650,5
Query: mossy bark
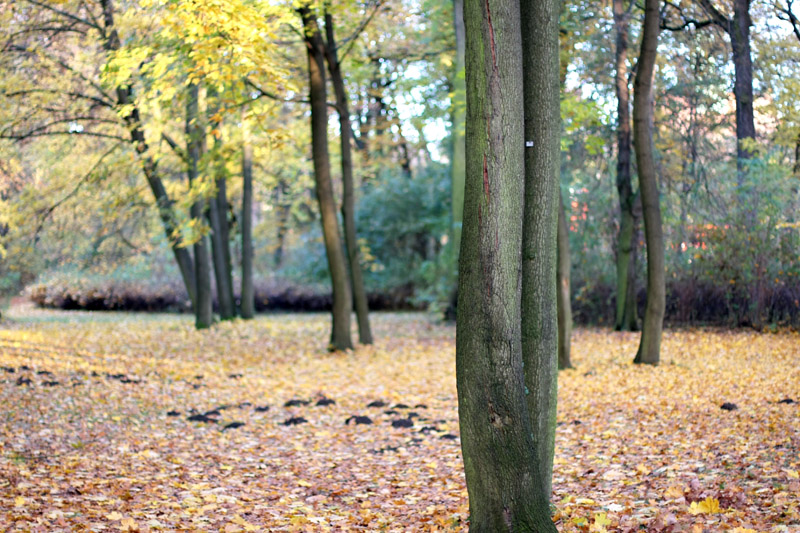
x,y
650,343
503,471
542,85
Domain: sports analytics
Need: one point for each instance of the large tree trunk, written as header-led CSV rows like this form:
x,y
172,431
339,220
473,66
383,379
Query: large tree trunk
x,y
564,294
248,304
166,210
203,305
626,314
540,53
504,477
348,196
342,297
218,219
650,344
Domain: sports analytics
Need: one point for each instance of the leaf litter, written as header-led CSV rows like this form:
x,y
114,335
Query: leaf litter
x,y
148,430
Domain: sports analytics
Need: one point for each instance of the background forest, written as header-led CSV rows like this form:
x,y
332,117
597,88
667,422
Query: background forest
x,y
106,107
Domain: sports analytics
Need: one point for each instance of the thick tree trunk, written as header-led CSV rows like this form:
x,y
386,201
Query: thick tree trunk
x,y
348,196
248,304
342,297
540,53
203,306
504,478
650,344
564,294
218,219
166,210
626,314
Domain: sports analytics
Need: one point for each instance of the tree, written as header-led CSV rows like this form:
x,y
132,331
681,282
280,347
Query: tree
x,y
202,308
342,297
563,291
507,473
650,343
248,304
348,196
626,313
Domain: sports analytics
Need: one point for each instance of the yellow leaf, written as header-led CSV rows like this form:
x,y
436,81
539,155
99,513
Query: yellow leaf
x,y
19,501
600,523
304,483
114,516
708,506
793,474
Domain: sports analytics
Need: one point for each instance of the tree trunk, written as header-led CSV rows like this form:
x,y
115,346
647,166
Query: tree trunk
x,y
457,113
203,307
626,314
743,83
342,297
348,196
650,344
164,204
248,304
504,478
218,219
564,294
540,53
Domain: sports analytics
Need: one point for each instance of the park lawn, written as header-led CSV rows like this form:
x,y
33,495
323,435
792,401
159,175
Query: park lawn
x,y
90,446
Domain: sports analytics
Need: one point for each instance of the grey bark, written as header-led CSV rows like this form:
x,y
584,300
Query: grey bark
x,y
342,296
348,196
626,318
542,83
504,477
248,304
203,305
650,343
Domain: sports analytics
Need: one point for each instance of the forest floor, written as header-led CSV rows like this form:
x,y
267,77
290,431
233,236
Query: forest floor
x,y
95,436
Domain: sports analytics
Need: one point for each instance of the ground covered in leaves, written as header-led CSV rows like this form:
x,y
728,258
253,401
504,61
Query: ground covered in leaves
x,y
115,422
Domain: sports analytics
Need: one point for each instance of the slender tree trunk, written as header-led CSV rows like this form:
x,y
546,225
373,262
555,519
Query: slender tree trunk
x,y
348,196
540,53
203,308
165,205
457,114
743,83
564,294
650,344
626,316
504,477
342,297
248,304
217,217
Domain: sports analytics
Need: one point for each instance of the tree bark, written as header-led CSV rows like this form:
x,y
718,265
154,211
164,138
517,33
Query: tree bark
x,y
650,343
564,294
203,308
542,85
626,313
743,83
165,205
504,478
248,304
218,219
342,297
348,196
